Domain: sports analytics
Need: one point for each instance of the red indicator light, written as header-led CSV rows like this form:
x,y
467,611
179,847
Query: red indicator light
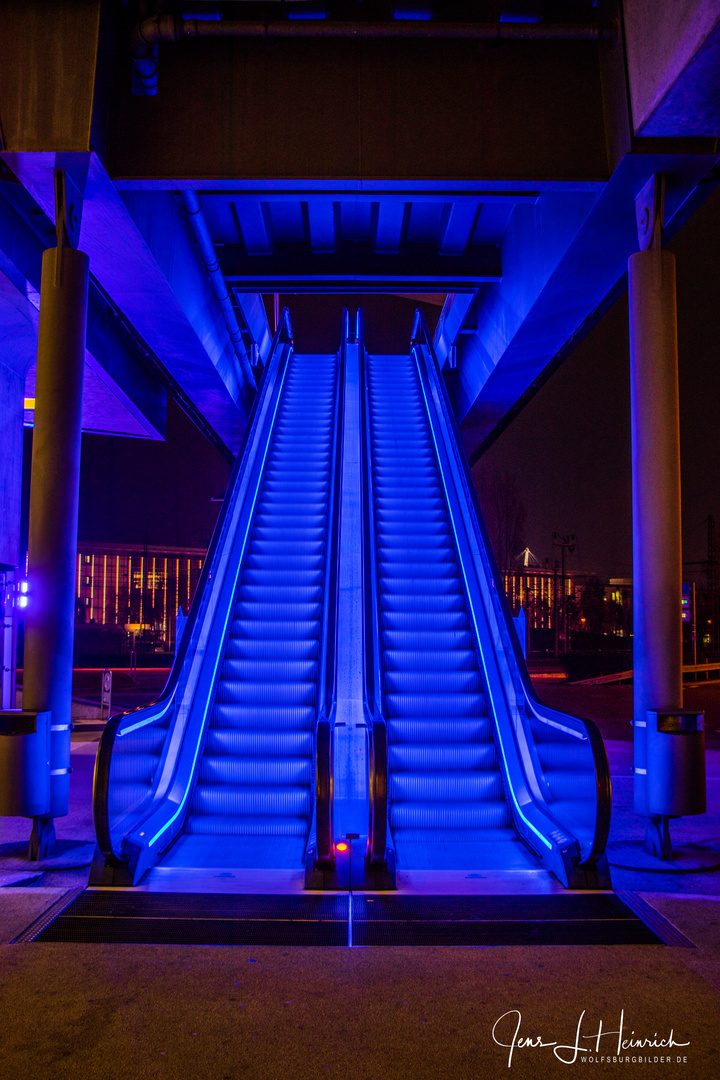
x,y
341,846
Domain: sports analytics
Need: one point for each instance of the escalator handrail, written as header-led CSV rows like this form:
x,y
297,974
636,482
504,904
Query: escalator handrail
x,y
372,673
154,711
328,675
372,670
323,748
586,728
162,814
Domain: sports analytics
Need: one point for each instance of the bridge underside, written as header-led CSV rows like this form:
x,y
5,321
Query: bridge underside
x,y
500,174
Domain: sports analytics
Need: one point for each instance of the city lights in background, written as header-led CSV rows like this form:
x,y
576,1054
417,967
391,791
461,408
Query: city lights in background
x,y
136,588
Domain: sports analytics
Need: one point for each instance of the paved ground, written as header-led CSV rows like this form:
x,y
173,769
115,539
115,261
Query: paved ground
x,y
131,1011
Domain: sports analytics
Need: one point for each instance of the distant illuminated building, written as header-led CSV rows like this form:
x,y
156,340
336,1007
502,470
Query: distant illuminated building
x,y
135,588
534,589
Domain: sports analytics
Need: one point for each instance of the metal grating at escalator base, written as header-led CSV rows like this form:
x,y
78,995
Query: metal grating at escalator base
x,y
377,920
572,919
192,919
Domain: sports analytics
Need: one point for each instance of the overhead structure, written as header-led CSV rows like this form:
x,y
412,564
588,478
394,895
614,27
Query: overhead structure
x,y
491,161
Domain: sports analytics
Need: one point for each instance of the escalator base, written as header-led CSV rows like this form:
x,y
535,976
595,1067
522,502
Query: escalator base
x,y
197,919
379,920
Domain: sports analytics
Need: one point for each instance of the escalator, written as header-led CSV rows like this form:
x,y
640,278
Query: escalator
x,y
475,774
220,773
445,790
232,769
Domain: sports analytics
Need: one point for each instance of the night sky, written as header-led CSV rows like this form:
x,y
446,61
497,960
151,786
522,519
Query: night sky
x,y
128,486
569,449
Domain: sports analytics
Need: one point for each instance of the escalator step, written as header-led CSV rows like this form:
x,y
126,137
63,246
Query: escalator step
x,y
238,801
237,716
441,757
235,692
450,659
289,629
256,772
422,731
444,776
259,744
435,705
444,641
269,671
255,776
280,649
436,681
428,816
450,788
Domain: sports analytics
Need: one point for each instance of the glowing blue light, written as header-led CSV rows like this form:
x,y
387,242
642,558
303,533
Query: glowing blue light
x,y
22,601
23,586
529,824
144,723
219,653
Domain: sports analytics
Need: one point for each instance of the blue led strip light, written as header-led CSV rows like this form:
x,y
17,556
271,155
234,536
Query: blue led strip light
x,y
529,824
553,723
177,813
149,720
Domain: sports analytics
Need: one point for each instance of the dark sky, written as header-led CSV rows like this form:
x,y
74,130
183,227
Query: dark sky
x,y
128,485
569,449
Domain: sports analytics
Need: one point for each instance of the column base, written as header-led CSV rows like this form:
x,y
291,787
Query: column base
x,y
42,839
657,838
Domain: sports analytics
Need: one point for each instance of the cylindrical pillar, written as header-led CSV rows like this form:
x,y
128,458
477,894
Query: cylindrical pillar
x,y
657,558
54,490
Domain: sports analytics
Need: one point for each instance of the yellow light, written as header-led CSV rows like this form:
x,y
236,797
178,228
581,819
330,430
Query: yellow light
x,y
29,402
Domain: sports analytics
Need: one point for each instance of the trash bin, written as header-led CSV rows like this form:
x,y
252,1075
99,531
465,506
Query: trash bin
x,y
675,762
24,763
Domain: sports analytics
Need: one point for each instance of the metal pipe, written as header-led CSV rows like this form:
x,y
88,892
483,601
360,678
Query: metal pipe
x,y
191,202
54,493
657,567
170,28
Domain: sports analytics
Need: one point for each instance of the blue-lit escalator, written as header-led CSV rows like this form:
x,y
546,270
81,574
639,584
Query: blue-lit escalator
x,y
447,805
220,773
233,766
476,774
252,802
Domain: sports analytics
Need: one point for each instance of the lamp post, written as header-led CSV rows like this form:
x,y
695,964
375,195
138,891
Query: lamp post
x,y
564,543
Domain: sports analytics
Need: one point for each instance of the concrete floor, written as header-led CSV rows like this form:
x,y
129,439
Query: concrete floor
x,y
137,1011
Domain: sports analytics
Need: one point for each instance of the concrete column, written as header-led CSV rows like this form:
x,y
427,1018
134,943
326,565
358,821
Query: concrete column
x,y
12,390
49,620
657,558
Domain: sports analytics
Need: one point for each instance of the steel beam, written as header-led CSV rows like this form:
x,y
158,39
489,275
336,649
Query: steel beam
x,y
355,264
109,352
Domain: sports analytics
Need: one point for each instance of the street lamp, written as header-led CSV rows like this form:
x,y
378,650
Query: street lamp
x,y
565,543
